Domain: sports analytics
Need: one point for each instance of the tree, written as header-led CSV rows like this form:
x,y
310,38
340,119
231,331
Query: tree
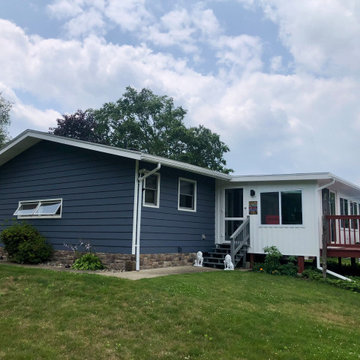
x,y
150,123
80,125
5,107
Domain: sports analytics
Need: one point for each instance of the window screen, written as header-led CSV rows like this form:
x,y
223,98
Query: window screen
x,y
187,194
283,207
291,207
151,190
269,203
234,203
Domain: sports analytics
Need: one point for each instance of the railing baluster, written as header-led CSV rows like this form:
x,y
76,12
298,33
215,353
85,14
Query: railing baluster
x,y
344,230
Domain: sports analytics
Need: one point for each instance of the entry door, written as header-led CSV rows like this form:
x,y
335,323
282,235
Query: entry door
x,y
234,211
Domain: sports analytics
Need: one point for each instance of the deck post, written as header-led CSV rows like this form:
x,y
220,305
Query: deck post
x,y
339,260
301,264
325,227
252,261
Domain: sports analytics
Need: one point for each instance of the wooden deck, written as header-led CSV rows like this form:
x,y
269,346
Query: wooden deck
x,y
343,251
343,234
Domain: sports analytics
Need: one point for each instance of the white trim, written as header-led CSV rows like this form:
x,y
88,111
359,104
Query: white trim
x,y
139,208
39,202
157,192
29,138
135,207
185,166
195,195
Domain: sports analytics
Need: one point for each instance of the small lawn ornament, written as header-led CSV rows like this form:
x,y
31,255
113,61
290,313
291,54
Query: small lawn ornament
x,y
228,265
199,259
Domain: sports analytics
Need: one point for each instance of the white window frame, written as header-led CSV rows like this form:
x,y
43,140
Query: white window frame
x,y
280,209
157,192
39,203
195,194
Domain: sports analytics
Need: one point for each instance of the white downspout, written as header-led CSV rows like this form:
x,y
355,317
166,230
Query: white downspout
x,y
139,207
318,257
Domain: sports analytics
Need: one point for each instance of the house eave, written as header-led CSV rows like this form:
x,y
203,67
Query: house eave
x,y
29,138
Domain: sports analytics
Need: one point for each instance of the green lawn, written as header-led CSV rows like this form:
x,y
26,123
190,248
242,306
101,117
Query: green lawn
x,y
219,315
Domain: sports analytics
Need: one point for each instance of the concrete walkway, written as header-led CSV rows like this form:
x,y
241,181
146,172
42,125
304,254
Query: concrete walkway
x,y
151,273
130,275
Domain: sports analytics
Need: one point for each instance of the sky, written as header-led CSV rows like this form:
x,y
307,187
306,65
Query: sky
x,y
279,80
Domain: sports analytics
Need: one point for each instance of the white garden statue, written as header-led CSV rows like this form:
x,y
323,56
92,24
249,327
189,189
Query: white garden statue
x,y
199,259
228,265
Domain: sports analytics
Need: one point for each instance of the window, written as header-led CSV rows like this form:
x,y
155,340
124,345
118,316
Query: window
x,y
187,195
344,210
233,203
39,209
283,208
233,210
152,191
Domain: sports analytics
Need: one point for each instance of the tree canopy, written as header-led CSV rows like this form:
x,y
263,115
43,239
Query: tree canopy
x,y
5,107
143,121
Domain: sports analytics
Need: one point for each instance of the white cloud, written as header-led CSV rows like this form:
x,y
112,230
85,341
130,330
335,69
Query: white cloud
x,y
322,35
63,9
86,23
273,122
29,116
242,53
184,28
130,15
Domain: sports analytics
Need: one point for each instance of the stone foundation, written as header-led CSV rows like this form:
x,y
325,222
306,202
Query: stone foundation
x,y
122,262
127,262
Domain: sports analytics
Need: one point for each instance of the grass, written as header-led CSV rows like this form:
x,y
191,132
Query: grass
x,y
222,315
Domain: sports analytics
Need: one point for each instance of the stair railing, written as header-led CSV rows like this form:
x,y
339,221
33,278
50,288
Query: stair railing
x,y
239,239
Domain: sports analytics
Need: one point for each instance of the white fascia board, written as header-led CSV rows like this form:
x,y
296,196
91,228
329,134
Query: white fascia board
x,y
282,177
30,137
184,166
346,183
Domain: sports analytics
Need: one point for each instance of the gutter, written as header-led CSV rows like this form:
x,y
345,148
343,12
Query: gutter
x,y
138,216
318,257
329,271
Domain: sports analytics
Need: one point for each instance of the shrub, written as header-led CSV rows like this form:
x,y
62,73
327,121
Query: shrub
x,y
88,261
272,259
288,269
24,244
316,275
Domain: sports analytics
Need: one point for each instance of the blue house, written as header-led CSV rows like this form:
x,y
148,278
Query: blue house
x,y
142,210
74,191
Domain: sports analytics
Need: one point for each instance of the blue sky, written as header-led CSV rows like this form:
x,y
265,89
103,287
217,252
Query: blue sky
x,y
279,80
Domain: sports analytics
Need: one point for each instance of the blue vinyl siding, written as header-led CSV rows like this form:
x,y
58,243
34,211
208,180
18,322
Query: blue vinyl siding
x,y
169,230
97,191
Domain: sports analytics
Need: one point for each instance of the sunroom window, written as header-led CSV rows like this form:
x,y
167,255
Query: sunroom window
x,y
39,209
152,190
281,208
187,195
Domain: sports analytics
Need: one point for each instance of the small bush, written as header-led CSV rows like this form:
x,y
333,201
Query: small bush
x,y
272,259
316,275
24,244
88,261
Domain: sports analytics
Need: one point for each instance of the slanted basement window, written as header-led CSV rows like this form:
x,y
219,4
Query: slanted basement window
x,y
281,208
39,209
187,195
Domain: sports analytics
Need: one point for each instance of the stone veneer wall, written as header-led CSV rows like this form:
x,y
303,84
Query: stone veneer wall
x,y
126,262
123,262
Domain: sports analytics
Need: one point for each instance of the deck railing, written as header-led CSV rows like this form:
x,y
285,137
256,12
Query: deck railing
x,y
239,239
343,230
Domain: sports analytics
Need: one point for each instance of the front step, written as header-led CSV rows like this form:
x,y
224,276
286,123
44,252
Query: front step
x,y
215,258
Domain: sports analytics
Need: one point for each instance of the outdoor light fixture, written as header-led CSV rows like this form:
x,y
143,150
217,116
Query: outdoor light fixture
x,y
252,192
